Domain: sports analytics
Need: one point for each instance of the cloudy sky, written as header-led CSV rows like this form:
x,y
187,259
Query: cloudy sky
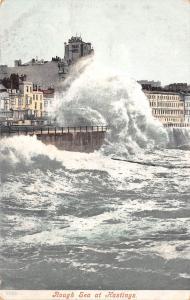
x,y
149,39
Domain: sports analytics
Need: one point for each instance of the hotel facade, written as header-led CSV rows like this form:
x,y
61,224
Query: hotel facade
x,y
167,107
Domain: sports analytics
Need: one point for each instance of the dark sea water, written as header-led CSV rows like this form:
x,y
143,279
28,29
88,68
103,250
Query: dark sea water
x,y
84,221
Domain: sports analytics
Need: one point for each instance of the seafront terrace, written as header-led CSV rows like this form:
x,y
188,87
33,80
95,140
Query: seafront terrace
x,y
179,125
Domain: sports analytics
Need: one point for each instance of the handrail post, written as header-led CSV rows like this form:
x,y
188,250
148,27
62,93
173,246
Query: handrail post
x,y
62,130
86,128
41,130
68,129
48,130
55,130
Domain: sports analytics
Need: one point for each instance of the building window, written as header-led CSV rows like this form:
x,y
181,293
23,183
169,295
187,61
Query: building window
x,y
35,105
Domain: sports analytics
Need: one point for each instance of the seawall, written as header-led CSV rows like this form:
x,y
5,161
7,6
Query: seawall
x,y
79,139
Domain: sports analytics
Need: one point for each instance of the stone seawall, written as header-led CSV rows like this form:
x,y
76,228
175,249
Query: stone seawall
x,y
81,139
75,141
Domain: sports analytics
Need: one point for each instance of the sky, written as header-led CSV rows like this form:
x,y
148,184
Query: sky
x,y
147,39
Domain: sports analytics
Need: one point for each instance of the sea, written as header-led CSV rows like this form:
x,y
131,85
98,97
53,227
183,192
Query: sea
x,y
117,218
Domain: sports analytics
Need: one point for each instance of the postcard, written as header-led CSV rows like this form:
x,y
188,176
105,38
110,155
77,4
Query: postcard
x,y
95,149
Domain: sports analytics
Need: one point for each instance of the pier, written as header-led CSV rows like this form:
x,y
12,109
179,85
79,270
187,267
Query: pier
x,y
70,138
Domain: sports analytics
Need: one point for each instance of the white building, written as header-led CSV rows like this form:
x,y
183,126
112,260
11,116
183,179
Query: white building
x,y
4,103
48,101
187,107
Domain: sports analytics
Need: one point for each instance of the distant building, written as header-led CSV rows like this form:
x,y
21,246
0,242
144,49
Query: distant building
x,y
76,48
36,61
3,71
177,87
187,107
150,84
63,69
18,62
167,107
56,58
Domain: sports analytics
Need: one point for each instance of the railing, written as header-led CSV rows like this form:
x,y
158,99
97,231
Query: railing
x,y
50,130
177,125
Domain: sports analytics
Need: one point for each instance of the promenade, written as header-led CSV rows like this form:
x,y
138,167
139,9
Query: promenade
x,y
48,130
70,138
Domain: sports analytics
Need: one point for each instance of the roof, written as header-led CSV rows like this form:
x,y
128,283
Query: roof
x,y
75,39
2,87
25,82
162,92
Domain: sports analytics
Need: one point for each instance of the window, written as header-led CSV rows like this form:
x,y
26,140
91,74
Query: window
x,y
35,105
75,50
27,89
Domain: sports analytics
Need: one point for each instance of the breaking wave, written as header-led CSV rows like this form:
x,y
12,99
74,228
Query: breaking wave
x,y
93,95
179,138
100,96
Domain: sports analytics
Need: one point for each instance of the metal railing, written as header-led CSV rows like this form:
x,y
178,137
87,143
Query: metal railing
x,y
48,130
